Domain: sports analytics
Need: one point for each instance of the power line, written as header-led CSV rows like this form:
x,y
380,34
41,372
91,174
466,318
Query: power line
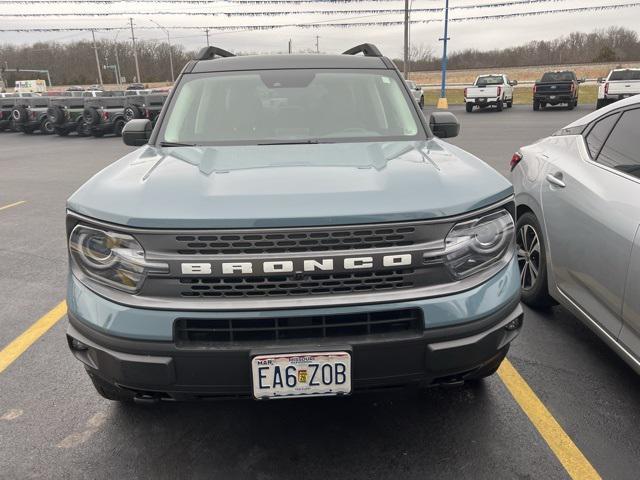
x,y
339,24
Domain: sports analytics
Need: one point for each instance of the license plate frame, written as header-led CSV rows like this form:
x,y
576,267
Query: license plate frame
x,y
263,368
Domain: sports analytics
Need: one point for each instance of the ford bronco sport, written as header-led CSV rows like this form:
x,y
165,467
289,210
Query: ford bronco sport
x,y
292,227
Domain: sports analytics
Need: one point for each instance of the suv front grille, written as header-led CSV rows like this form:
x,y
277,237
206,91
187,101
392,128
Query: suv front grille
x,y
193,332
296,241
283,285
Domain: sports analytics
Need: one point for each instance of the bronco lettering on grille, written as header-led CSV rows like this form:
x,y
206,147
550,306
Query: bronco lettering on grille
x,y
297,265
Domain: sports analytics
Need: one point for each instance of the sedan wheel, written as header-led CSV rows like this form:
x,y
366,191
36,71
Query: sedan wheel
x,y
532,260
528,256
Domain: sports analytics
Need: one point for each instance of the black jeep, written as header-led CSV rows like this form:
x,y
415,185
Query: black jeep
x,y
30,115
144,106
105,114
66,115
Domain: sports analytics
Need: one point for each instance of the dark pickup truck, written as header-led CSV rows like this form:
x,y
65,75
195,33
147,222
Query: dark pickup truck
x,y
555,88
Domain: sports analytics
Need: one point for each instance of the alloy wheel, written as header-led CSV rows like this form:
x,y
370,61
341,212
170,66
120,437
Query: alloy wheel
x,y
528,256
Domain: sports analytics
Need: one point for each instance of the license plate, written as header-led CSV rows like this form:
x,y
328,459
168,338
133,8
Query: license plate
x,y
482,100
301,374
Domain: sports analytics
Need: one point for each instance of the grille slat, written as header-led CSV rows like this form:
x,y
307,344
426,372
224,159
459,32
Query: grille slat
x,y
194,332
290,286
286,242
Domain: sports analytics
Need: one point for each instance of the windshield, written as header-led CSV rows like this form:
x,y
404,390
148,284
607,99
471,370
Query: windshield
x,y
625,75
291,106
489,80
551,77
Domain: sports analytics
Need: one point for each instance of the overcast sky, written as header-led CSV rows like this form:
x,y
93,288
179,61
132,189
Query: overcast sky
x,y
472,33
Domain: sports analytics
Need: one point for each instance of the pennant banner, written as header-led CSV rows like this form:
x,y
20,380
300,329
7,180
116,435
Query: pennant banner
x,y
335,25
274,13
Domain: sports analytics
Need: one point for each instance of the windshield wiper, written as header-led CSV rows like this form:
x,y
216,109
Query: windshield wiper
x,y
177,144
309,141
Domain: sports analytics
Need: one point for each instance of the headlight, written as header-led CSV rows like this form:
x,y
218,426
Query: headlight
x,y
111,258
480,243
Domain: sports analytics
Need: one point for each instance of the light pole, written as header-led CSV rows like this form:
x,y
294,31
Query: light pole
x,y
406,39
170,48
442,101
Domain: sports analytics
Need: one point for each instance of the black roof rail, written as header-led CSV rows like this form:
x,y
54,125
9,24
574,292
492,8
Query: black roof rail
x,y
208,53
368,49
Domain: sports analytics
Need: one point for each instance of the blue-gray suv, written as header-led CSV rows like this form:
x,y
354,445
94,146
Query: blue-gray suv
x,y
292,226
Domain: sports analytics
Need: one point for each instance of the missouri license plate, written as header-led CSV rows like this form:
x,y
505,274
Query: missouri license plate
x,y
301,374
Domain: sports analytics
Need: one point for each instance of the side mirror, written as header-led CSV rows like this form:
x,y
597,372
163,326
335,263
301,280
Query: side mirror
x,y
418,88
444,124
137,132
514,83
582,80
600,79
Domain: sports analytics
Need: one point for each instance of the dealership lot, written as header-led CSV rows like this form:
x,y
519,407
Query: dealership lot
x,y
53,425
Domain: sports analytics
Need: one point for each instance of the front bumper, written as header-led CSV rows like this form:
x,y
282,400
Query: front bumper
x,y
128,347
165,371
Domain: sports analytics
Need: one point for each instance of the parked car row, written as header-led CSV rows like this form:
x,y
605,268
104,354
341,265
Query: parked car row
x,y
554,88
85,113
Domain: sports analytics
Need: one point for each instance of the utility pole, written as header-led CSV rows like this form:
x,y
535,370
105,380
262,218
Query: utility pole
x,y
317,43
118,65
442,101
170,48
206,32
95,50
406,39
135,52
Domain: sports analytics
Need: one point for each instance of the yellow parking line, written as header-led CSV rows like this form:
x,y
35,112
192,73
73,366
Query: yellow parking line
x,y
13,204
571,458
17,347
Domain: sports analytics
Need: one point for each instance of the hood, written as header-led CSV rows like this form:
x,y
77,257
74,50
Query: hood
x,y
289,185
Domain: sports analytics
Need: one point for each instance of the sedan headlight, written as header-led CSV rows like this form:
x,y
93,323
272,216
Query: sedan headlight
x,y
480,243
111,258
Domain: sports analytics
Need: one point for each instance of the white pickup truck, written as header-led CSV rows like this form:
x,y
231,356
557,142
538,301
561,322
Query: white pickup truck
x,y
487,90
621,83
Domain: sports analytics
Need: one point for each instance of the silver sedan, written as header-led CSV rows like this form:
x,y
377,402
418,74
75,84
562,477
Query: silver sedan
x,y
578,229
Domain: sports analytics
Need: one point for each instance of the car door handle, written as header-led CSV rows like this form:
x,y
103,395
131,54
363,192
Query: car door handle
x,y
556,179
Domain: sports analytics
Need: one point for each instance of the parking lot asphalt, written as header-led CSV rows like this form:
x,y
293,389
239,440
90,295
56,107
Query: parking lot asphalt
x,y
53,424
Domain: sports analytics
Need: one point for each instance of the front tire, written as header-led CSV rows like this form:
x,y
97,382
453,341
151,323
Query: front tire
x,y
532,262
499,106
510,103
469,107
